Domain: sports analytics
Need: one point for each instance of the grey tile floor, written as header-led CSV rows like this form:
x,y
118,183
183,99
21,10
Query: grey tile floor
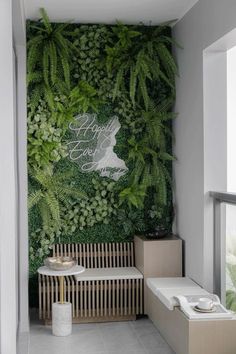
x,y
136,337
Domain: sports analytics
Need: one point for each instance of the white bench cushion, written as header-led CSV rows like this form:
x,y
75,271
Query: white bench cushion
x,y
109,274
170,283
167,288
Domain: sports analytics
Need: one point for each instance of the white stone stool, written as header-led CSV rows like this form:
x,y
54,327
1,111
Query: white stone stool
x,y
61,319
61,312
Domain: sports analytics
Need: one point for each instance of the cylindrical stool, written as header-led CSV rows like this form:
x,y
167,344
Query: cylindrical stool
x,y
61,319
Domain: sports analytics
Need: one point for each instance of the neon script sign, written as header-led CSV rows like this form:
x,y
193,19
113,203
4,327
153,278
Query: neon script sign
x,y
92,146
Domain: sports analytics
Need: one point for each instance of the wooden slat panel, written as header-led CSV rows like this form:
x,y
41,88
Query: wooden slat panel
x,y
132,254
89,299
124,254
103,257
128,253
68,289
133,296
105,298
93,297
48,296
52,291
99,255
141,295
40,296
114,258
106,256
44,296
117,255
113,298
70,249
137,295
84,255
81,299
91,255
110,255
109,297
73,301
95,256
77,298
85,299
88,259
80,261
101,298
121,297
125,296
121,255
77,253
56,288
129,297
97,298
117,297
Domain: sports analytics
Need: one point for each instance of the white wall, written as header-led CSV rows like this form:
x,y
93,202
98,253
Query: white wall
x,y
13,179
8,190
19,38
231,115
204,24
215,145
23,188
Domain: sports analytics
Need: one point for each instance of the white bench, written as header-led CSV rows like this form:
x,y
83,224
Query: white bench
x,y
185,336
110,289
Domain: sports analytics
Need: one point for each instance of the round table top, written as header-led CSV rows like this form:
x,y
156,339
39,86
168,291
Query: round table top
x,y
72,271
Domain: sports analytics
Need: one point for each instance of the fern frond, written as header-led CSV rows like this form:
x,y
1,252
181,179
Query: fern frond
x,y
137,172
144,91
146,180
61,27
34,77
73,192
171,41
66,70
34,198
45,214
167,175
169,82
49,97
35,96
133,84
53,205
41,176
53,61
167,61
32,57
35,41
46,65
45,20
119,78
145,68
166,104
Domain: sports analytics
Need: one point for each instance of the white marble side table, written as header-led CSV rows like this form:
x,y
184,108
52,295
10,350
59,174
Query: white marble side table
x,y
61,311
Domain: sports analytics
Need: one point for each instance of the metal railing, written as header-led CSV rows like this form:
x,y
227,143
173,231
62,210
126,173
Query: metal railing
x,y
220,240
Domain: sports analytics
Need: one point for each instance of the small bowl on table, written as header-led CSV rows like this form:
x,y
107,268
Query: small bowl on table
x,y
60,263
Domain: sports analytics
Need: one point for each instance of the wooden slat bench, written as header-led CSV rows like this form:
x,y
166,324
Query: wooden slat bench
x,y
110,289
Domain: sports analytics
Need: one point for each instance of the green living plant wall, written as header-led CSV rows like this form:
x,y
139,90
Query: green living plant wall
x,y
119,71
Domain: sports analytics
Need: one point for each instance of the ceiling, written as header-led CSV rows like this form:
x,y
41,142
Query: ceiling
x,y
108,11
